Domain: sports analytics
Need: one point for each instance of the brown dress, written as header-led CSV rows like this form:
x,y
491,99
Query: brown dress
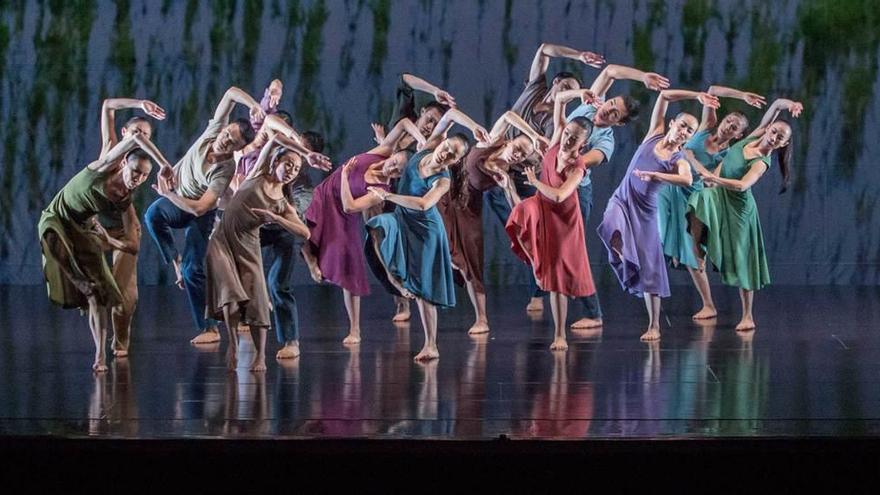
x,y
234,260
462,211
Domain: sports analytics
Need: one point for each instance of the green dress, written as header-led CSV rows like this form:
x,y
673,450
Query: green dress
x,y
733,240
79,248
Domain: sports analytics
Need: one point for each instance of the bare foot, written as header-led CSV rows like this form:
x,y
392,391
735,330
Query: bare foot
x,y
120,353
427,354
289,351
352,338
99,366
651,335
559,344
478,328
401,315
207,337
536,304
745,325
178,273
587,323
243,328
312,263
259,364
705,313
231,360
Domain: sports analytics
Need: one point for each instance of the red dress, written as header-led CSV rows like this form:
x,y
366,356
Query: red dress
x,y
550,236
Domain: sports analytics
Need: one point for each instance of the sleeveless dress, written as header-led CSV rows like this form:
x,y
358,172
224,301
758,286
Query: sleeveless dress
x,y
336,236
414,244
733,239
235,261
80,249
550,235
462,212
672,205
632,211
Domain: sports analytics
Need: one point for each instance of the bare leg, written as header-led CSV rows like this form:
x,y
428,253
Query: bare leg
x,y
98,324
747,322
428,313
559,308
535,303
353,308
125,274
377,241
258,334
697,229
478,300
312,262
402,313
652,304
289,351
701,282
231,319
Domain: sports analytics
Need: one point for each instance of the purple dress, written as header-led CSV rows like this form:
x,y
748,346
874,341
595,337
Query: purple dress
x,y
632,211
337,237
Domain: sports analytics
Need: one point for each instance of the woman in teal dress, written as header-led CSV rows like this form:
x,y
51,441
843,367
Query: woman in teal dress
x,y
724,219
411,242
705,150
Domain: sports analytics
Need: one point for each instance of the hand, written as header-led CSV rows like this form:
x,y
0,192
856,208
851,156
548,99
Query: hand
x,y
644,175
163,187
530,175
100,230
346,169
444,98
166,172
708,100
588,97
501,178
481,135
540,143
592,59
319,161
266,216
257,114
654,81
795,109
755,100
710,179
275,90
378,132
153,110
378,191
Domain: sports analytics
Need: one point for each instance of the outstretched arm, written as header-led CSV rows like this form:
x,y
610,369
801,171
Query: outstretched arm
x,y
658,116
709,118
403,127
287,136
512,119
613,72
420,84
556,194
793,107
129,143
548,50
421,203
681,177
108,118
756,170
235,95
455,116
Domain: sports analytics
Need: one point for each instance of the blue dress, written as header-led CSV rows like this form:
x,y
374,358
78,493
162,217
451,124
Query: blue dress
x,y
414,245
672,205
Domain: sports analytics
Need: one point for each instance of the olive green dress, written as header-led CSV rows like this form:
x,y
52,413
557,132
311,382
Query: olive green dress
x,y
733,240
79,252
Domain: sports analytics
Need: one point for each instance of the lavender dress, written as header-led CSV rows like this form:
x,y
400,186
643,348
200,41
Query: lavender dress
x,y
336,236
632,211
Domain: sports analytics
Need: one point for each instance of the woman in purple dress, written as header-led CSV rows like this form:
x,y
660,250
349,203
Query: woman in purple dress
x,y
629,226
334,252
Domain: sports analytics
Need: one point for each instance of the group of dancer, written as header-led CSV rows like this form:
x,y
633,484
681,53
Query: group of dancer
x,y
410,208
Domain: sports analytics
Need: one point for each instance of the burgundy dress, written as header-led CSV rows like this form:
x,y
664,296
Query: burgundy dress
x,y
337,237
462,212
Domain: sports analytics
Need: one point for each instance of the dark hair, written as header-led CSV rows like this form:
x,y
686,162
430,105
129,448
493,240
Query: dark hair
x,y
742,116
564,74
632,109
135,120
463,137
247,132
283,115
314,141
585,124
436,105
138,154
783,156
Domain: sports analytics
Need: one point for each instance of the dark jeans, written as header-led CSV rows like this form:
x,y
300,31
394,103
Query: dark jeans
x,y
161,217
498,204
279,254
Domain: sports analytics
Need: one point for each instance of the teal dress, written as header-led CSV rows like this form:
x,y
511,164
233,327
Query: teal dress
x,y
672,205
733,239
414,245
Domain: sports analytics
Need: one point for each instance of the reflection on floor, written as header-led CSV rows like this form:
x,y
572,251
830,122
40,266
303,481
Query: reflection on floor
x,y
812,368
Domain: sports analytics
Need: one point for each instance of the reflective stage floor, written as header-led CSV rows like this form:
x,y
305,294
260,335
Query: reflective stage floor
x,y
812,369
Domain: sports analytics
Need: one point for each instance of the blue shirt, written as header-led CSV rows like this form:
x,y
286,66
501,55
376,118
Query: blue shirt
x,y
601,139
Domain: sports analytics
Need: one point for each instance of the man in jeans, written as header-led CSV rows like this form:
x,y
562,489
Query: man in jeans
x,y
189,200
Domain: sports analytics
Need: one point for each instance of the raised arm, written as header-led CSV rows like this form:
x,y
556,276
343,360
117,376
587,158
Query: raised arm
x,y
130,142
455,116
793,107
108,118
613,72
235,95
562,98
512,119
421,203
709,118
288,137
420,84
403,127
658,116
548,50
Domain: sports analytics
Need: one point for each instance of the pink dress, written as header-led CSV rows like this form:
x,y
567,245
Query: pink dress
x,y
337,237
550,236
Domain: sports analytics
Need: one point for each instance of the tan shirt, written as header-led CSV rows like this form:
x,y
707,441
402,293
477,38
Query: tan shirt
x,y
195,175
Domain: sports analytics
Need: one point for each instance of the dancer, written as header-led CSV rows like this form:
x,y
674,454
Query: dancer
x,y
334,252
236,286
546,230
629,225
410,244
412,103
462,208
76,271
704,150
201,178
124,265
724,220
